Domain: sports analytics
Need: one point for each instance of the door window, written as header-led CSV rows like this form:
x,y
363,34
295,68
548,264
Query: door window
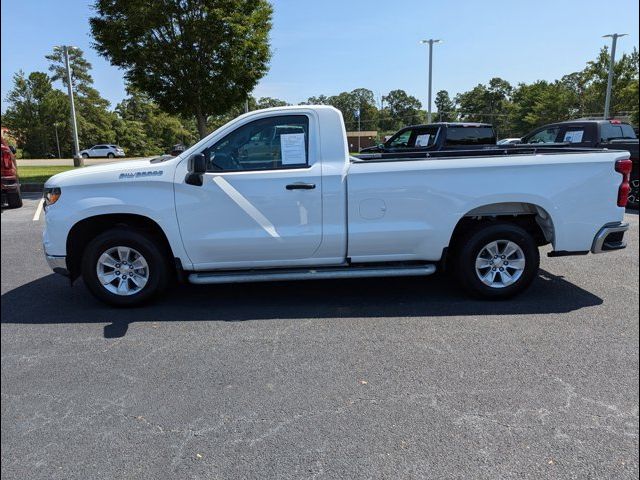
x,y
279,142
424,137
575,135
548,135
401,140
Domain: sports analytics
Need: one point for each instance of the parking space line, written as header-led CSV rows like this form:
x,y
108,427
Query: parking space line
x,y
36,216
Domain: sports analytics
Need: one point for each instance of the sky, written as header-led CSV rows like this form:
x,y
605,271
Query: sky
x,y
331,46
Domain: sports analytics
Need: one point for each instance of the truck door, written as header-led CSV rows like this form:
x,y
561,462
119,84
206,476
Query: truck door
x,y
260,203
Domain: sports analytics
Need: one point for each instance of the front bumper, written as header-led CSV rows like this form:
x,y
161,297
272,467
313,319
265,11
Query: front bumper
x,y
610,237
57,264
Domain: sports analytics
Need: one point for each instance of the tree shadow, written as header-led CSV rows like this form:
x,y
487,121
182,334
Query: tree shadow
x,y
49,300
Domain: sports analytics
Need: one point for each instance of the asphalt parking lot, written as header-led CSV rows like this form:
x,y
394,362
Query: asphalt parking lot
x,y
386,378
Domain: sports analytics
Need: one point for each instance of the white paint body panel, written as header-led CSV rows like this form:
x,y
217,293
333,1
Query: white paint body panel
x,y
365,211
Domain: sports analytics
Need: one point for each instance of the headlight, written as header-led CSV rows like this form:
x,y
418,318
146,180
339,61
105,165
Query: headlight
x,y
51,195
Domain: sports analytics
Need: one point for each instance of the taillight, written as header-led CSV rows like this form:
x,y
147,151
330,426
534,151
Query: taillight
x,y
624,167
6,160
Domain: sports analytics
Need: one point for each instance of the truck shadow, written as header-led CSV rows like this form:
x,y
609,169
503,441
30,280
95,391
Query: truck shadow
x,y
49,300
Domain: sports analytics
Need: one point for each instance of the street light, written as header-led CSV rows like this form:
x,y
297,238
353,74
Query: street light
x,y
77,159
431,41
614,40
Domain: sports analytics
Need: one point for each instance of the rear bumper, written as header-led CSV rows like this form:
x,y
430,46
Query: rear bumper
x,y
610,237
10,184
57,264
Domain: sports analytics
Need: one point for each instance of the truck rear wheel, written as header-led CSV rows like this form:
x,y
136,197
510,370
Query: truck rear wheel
x,y
497,261
124,267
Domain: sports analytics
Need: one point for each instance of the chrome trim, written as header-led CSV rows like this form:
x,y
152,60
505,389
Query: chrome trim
x,y
602,234
309,274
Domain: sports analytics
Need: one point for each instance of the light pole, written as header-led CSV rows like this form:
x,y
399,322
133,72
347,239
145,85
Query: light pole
x,y
357,112
612,60
55,125
77,159
431,41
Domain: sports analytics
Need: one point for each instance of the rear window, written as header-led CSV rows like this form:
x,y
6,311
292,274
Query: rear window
x,y
470,136
613,131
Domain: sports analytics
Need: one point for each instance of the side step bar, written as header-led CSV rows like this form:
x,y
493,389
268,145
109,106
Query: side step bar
x,y
310,274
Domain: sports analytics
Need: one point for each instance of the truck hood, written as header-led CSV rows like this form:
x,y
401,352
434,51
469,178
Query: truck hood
x,y
112,172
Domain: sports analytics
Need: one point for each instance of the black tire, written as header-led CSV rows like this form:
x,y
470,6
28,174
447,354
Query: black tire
x,y
84,155
465,255
634,194
159,271
110,155
14,199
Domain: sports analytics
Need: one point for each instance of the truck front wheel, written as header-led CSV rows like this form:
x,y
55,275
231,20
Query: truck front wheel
x,y
497,261
124,267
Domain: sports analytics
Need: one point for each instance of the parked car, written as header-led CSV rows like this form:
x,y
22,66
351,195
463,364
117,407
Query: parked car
x,y
177,149
11,194
509,141
593,133
103,150
437,136
310,211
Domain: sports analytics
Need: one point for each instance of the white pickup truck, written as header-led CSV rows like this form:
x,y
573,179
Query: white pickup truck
x,y
274,195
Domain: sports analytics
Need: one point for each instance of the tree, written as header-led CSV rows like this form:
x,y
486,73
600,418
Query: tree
x,y
142,128
194,58
400,109
34,107
360,101
446,107
95,121
319,100
79,66
268,102
624,93
487,103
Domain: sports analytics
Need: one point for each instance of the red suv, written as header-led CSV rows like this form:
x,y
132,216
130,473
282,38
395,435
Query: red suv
x,y
10,181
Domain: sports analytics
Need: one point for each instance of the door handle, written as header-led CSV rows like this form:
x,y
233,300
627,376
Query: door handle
x,y
301,186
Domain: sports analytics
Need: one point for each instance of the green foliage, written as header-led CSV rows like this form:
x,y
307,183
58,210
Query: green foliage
x,y
34,106
81,79
400,109
194,58
446,107
268,102
142,128
359,101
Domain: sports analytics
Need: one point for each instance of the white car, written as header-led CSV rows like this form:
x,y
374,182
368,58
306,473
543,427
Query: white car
x,y
229,210
103,150
509,141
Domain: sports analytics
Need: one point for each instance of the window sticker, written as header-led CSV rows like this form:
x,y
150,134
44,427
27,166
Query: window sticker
x,y
423,140
573,136
293,149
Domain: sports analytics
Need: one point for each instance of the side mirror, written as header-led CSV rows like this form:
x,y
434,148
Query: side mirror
x,y
381,146
197,163
196,167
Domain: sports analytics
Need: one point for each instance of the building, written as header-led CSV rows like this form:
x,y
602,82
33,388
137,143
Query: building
x,y
367,139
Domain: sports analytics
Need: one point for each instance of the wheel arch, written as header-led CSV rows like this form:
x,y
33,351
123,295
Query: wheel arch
x,y
532,217
88,228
